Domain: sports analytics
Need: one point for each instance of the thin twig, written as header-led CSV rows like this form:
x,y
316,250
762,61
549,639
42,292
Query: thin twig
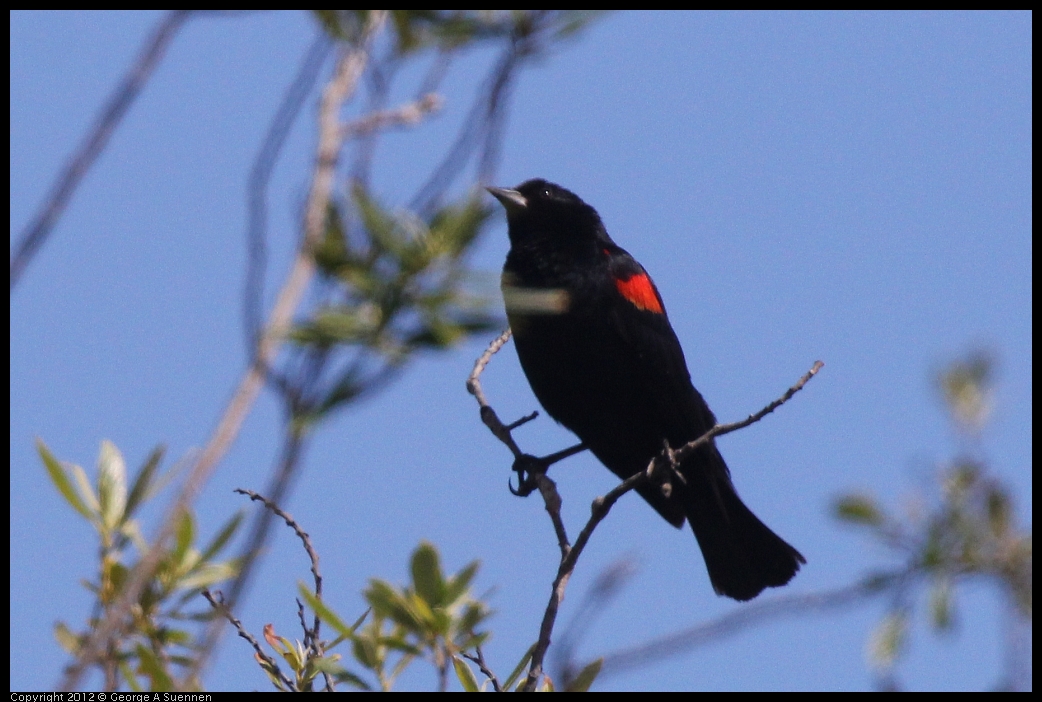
x,y
37,231
552,501
488,415
304,537
336,93
312,636
268,661
720,429
479,659
474,379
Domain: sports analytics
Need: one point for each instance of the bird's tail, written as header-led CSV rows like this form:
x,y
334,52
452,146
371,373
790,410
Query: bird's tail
x,y
742,555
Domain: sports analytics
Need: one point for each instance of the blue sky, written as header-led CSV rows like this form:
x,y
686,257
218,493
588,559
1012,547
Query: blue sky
x,y
853,188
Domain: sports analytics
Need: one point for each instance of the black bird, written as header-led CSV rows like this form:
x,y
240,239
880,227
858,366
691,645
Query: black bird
x,y
594,341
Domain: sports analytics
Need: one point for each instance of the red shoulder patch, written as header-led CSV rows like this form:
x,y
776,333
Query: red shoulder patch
x,y
639,290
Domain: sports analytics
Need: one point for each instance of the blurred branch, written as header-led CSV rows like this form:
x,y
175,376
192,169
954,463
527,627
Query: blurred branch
x,y
260,175
406,115
349,67
752,614
37,231
485,113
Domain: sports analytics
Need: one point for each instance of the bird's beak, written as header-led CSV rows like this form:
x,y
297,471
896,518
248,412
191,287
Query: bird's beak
x,y
512,200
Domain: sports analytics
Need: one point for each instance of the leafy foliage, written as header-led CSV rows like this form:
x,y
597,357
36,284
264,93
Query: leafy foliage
x,y
156,644
969,530
434,618
400,285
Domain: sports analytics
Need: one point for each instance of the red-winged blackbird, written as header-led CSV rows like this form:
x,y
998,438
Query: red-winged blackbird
x,y
594,340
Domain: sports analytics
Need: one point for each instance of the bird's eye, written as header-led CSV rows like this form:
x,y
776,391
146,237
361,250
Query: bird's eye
x,y
547,193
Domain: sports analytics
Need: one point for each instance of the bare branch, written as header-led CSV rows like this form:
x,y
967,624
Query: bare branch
x,y
488,415
304,537
37,231
721,429
479,659
268,661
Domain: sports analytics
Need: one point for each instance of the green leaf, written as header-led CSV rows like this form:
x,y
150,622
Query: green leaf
x,y
184,536
338,325
399,644
140,490
208,575
346,389
1000,511
457,585
366,652
941,604
427,619
859,509
326,614
446,29
465,675
887,640
346,676
175,637
130,675
585,678
61,481
967,387
427,576
86,492
117,574
464,641
153,668
387,602
223,536
112,485
66,638
326,664
131,530
332,252
459,225
381,226
436,333
474,614
519,668
289,653
343,25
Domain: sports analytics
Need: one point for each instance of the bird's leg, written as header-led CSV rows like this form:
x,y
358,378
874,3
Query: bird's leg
x,y
528,466
664,468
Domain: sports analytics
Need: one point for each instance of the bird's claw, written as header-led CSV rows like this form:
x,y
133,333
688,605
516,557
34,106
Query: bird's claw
x,y
527,467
